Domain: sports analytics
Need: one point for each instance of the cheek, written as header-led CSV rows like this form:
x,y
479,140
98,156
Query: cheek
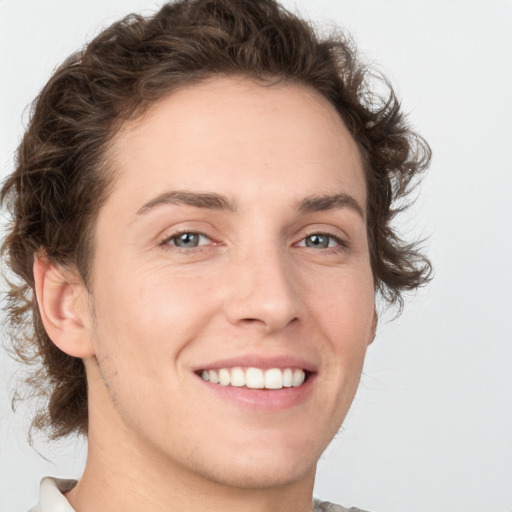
x,y
151,319
344,312
140,332
344,301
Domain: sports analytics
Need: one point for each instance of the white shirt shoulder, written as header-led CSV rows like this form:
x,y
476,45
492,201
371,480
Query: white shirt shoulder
x,y
51,497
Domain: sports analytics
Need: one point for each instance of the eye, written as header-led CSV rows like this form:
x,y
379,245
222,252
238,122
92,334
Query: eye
x,y
188,240
320,241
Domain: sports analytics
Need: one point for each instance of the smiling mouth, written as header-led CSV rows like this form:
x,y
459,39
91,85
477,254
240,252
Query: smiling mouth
x,y
256,378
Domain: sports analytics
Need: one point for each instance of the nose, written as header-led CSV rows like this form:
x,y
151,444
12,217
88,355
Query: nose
x,y
262,292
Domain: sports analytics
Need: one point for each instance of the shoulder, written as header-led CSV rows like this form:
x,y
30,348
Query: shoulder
x,y
51,497
325,506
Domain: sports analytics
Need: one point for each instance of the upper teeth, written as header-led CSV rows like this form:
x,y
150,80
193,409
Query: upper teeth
x,y
255,378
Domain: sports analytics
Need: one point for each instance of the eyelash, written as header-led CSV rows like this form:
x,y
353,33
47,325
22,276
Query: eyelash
x,y
341,245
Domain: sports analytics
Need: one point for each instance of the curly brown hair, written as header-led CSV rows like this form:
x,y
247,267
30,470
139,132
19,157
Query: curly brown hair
x,y
62,177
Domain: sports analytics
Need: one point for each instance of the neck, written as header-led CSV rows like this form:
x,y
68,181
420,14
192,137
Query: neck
x,y
111,482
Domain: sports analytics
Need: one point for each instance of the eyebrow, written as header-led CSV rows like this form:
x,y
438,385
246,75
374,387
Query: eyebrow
x,y
330,202
211,201
215,201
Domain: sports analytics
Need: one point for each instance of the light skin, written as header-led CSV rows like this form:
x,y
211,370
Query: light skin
x,y
234,236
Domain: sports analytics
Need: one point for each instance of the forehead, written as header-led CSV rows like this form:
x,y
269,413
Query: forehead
x,y
262,136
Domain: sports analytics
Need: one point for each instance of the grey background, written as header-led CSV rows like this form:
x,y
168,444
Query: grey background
x,y
431,427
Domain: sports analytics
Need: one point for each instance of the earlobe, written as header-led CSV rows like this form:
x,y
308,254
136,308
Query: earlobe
x,y
62,299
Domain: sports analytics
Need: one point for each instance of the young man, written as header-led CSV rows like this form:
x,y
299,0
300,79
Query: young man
x,y
201,216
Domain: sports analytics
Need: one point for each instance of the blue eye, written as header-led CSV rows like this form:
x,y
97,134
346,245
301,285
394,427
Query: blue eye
x,y
188,240
320,241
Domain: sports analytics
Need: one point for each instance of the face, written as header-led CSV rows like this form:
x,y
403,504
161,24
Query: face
x,y
233,247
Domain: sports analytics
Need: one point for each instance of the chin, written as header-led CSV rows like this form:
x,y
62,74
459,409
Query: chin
x,y
258,476
259,468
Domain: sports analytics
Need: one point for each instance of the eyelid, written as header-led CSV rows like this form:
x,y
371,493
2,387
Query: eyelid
x,y
326,230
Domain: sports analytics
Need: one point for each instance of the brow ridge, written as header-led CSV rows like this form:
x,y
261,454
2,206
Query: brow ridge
x,y
329,202
214,201
207,200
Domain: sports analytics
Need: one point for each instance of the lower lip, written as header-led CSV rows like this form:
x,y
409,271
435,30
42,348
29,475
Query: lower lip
x,y
263,399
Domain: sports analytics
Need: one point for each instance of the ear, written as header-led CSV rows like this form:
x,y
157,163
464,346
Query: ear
x,y
63,302
373,331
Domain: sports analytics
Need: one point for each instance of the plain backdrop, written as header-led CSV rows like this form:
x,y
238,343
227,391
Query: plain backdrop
x,y
431,427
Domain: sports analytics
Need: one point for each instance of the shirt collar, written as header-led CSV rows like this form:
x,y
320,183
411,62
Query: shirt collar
x,y
51,497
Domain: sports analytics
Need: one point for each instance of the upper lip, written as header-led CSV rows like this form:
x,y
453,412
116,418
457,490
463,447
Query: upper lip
x,y
259,361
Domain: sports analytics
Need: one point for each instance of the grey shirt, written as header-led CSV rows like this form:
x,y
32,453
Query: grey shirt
x,y
52,499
